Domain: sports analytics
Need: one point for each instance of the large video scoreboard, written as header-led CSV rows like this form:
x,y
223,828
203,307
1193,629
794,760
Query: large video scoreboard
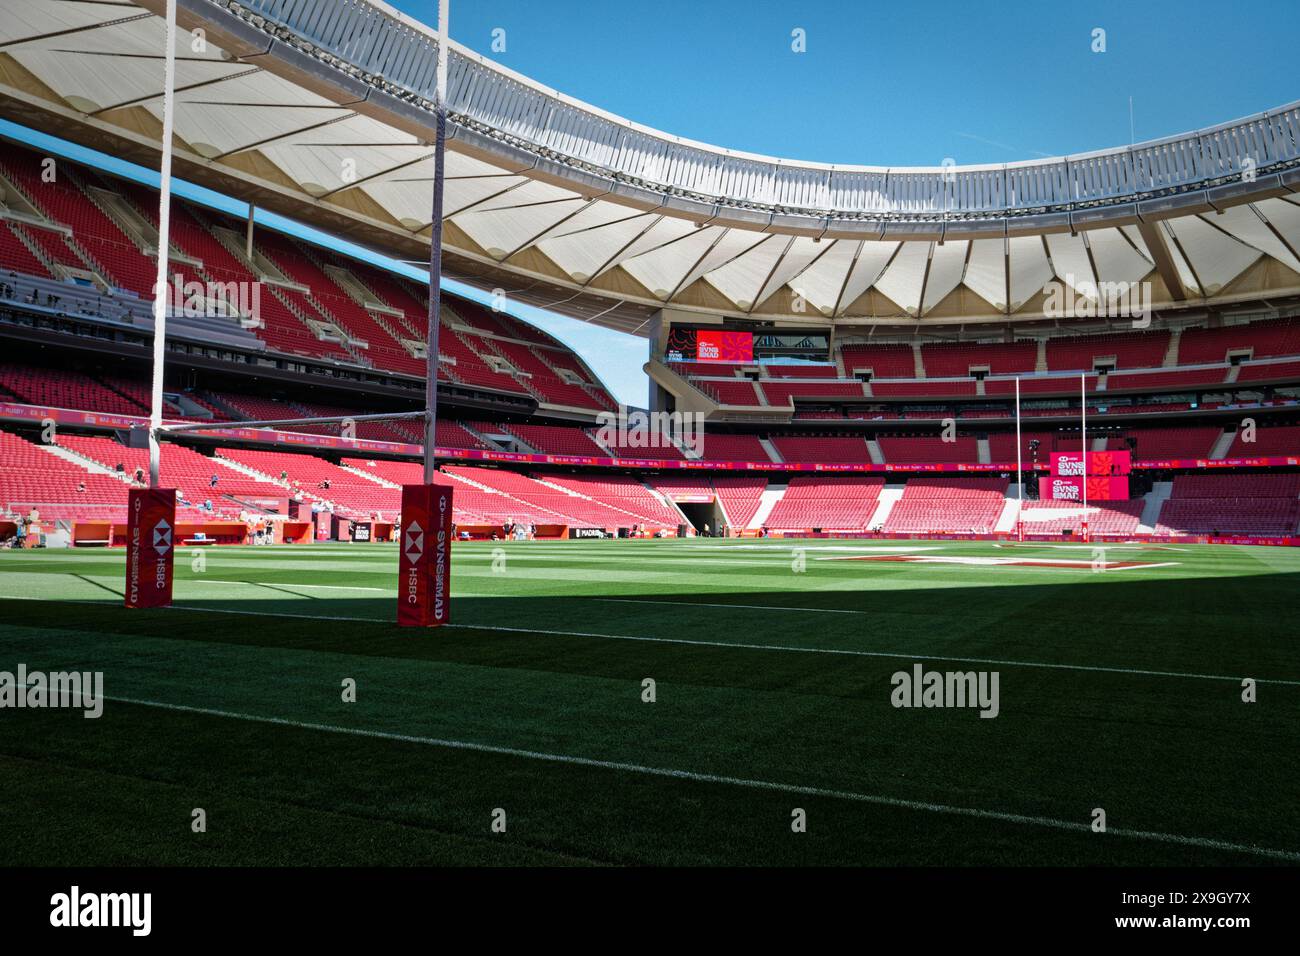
x,y
1105,472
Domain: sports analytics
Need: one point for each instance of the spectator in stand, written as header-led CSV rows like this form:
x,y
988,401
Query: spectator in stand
x,y
81,487
139,476
213,482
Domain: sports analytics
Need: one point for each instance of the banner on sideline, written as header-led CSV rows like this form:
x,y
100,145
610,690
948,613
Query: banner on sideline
x,y
269,437
150,546
424,558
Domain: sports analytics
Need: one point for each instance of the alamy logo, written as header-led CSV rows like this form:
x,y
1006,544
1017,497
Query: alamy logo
x,y
635,429
922,688
53,690
240,300
74,909
1085,299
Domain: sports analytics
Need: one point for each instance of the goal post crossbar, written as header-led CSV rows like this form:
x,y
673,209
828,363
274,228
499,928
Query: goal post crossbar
x,y
286,422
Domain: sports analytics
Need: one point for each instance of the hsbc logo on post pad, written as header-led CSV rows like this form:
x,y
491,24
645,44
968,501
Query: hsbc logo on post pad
x,y
425,580
150,547
414,542
162,537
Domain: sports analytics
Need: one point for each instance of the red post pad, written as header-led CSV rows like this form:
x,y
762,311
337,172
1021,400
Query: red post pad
x,y
150,546
424,557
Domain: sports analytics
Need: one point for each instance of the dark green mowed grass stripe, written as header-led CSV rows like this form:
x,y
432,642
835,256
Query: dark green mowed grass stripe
x,y
1158,753
124,794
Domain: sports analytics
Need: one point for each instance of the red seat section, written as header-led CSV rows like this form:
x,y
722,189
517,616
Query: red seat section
x,y
724,447
15,256
351,494
1128,349
31,476
830,449
929,450
1241,504
958,358
830,502
729,391
1270,441
1186,379
1057,517
557,440
184,469
883,361
60,389
741,496
64,202
1269,337
929,387
950,504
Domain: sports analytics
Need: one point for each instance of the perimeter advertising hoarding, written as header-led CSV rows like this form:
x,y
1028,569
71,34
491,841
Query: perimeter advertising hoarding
x,y
424,560
150,546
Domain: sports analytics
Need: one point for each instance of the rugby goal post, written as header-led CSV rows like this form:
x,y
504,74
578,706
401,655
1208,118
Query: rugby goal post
x,y
425,547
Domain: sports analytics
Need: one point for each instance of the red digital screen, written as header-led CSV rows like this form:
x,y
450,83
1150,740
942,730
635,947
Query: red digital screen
x,y
1106,464
716,346
1099,488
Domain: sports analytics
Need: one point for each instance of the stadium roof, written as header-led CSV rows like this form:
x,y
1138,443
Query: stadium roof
x,y
321,110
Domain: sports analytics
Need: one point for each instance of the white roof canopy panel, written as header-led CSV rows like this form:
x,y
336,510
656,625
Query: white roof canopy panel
x,y
320,110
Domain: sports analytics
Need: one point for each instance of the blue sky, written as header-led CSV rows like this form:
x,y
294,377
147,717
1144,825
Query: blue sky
x,y
899,83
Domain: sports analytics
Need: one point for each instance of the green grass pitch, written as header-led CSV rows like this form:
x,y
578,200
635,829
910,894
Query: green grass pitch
x,y
1120,689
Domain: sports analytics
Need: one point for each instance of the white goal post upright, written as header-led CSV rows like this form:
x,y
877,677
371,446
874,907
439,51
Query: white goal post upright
x,y
1020,470
1083,447
424,552
435,246
161,285
151,512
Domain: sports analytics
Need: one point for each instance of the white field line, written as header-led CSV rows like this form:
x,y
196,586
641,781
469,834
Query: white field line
x,y
786,648
1177,839
289,584
742,607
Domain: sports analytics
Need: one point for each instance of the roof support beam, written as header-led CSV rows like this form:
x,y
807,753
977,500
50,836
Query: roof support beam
x,y
180,89
72,30
282,136
1164,262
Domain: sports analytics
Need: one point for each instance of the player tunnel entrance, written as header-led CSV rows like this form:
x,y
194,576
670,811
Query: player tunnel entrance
x,y
700,514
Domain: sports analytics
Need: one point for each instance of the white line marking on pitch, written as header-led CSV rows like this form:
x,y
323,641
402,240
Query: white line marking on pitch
x,y
290,584
698,777
843,652
743,607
